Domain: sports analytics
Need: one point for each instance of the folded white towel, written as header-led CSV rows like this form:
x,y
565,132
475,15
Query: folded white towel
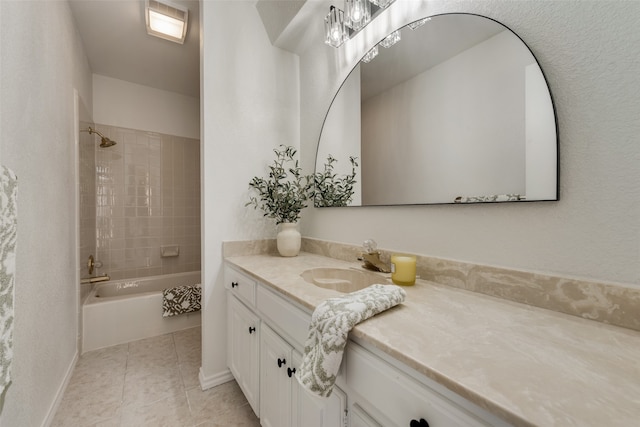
x,y
330,325
8,229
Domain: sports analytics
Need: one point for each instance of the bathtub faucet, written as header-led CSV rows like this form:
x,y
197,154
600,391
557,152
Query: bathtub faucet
x,y
104,278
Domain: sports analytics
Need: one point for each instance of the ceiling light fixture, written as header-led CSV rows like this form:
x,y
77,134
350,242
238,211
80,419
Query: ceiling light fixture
x,y
166,20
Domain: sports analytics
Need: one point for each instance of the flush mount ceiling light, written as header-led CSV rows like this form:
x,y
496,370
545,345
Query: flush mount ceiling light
x,y
341,26
166,20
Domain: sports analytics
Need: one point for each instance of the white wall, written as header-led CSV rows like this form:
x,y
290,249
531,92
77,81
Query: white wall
x,y
42,63
589,53
341,137
129,105
250,105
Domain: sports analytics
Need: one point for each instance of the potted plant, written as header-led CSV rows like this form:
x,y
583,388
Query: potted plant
x,y
282,195
331,189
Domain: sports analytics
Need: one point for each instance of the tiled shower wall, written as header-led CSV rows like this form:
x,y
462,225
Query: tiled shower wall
x,y
147,196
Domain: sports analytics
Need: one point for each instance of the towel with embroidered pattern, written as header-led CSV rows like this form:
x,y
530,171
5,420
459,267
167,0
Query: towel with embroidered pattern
x,y
180,300
8,232
329,329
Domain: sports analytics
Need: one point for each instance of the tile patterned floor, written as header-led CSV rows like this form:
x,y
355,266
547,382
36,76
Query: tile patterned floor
x,y
151,382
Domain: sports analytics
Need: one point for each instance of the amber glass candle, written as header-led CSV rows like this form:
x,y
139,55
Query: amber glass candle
x,y
403,269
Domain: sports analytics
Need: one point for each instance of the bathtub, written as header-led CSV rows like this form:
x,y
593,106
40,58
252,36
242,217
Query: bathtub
x,y
127,310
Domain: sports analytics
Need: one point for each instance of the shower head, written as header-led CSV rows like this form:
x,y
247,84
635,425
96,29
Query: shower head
x,y
104,142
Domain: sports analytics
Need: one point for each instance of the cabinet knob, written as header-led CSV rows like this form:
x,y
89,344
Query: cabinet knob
x,y
421,423
290,372
281,362
252,329
234,284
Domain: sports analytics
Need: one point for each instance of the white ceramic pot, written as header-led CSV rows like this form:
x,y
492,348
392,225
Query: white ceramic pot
x,y
288,239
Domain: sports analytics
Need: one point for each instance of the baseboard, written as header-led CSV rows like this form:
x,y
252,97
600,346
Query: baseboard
x,y
214,380
60,394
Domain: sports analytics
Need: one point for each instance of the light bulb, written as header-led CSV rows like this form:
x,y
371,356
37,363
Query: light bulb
x,y
335,33
356,13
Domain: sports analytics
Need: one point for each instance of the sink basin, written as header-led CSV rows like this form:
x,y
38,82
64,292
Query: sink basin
x,y
342,279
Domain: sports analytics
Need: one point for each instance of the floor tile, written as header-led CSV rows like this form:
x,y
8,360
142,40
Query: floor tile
x,y
215,403
161,345
170,412
139,358
190,374
88,408
105,360
188,345
241,416
152,382
144,390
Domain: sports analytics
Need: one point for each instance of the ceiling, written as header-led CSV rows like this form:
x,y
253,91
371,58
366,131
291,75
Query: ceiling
x,y
117,44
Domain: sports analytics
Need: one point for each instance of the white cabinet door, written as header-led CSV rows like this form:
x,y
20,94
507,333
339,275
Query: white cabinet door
x,y
359,418
243,349
314,411
275,384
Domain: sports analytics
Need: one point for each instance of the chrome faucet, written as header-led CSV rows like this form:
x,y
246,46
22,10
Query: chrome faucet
x,y
371,257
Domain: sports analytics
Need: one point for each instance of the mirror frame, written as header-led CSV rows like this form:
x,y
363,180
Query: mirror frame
x,y
553,107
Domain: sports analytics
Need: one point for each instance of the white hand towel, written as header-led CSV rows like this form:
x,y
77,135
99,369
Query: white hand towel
x,y
330,325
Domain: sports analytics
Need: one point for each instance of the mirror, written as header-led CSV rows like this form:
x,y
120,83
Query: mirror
x,y
458,111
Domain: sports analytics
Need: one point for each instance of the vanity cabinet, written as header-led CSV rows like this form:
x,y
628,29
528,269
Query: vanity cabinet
x,y
385,395
359,418
284,402
314,411
264,343
243,349
275,380
266,337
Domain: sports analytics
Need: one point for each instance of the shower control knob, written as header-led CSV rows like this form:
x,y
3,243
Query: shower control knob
x,y
234,284
252,329
291,372
281,362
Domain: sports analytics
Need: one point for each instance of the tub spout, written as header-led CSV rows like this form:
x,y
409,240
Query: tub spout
x,y
103,278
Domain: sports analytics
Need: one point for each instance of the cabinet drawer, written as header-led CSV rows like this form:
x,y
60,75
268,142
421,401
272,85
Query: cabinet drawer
x,y
284,316
398,397
240,285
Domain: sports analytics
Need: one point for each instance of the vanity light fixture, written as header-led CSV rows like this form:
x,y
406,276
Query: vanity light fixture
x,y
342,25
357,13
166,20
335,32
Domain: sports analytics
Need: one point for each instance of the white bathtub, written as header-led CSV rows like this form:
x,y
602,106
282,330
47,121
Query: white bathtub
x,y
127,310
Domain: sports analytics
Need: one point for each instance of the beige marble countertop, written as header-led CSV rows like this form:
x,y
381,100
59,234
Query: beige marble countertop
x,y
527,365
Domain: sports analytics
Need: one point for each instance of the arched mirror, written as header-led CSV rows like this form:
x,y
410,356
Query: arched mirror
x,y
457,111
